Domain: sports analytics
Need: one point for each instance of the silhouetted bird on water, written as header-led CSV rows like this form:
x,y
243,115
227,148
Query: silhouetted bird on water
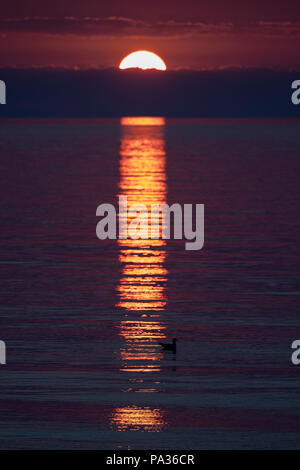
x,y
169,347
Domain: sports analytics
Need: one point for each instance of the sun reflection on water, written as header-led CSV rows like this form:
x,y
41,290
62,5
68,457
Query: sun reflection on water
x,y
140,352
135,418
143,181
142,286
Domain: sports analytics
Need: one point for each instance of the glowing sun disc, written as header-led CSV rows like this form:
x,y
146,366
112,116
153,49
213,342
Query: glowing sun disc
x,y
143,60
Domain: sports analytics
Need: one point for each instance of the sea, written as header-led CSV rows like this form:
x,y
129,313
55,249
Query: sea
x,y
82,318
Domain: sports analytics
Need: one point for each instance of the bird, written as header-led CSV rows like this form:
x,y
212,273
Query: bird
x,y
170,347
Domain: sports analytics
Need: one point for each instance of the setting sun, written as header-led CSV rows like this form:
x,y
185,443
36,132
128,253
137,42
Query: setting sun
x,y
143,60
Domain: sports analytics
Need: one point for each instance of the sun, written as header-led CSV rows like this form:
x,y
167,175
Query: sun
x,y
143,60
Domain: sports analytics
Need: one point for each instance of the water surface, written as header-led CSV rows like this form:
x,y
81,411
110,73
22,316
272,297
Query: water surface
x,y
82,318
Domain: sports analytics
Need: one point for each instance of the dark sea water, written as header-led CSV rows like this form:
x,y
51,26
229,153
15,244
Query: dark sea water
x,y
82,317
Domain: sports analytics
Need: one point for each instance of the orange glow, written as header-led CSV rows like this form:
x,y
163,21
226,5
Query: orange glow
x,y
143,181
142,121
141,354
142,286
135,418
143,60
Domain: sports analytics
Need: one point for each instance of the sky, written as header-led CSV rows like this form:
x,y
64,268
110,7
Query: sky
x,y
191,34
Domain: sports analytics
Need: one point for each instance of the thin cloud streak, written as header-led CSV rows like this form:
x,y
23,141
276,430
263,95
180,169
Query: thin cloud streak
x,y
120,26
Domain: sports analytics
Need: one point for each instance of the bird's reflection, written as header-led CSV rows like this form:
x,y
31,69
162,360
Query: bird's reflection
x,y
142,286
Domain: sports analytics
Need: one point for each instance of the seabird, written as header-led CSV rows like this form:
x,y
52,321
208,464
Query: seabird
x,y
169,346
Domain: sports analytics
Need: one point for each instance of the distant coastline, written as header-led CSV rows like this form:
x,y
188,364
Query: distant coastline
x,y
53,92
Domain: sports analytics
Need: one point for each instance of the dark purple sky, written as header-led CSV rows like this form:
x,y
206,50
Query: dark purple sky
x,y
186,34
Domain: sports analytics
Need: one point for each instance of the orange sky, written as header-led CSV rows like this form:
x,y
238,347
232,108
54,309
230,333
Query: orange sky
x,y
191,34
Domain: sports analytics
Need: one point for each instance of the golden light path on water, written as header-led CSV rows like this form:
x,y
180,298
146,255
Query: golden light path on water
x,y
143,181
136,418
142,285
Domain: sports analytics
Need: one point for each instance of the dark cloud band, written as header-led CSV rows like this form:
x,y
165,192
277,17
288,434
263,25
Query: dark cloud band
x,y
120,26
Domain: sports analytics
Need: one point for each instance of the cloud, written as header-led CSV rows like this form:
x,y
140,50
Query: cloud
x,y
120,26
